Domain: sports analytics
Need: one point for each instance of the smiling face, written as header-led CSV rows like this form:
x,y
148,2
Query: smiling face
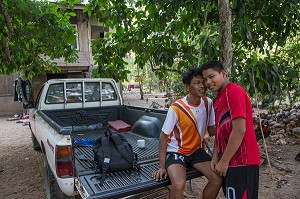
x,y
214,80
197,87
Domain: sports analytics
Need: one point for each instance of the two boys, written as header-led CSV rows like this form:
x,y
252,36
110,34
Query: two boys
x,y
236,155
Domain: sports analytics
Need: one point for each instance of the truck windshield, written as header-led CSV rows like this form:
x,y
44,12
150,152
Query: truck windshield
x,y
55,94
108,92
92,91
74,92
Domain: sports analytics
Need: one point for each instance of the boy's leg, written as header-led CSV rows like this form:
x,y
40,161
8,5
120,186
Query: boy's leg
x,y
242,182
177,174
201,161
176,169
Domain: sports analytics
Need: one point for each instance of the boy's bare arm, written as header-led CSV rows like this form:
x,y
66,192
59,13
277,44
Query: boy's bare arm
x,y
235,140
162,144
161,173
214,161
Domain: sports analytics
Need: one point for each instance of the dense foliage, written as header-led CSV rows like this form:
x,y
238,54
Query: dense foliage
x,y
172,36
165,36
265,46
31,30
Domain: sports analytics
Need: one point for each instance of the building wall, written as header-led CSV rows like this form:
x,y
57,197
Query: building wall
x,y
9,107
36,85
7,103
79,69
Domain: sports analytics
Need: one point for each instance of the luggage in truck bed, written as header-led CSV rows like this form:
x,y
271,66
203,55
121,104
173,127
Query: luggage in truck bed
x,y
122,183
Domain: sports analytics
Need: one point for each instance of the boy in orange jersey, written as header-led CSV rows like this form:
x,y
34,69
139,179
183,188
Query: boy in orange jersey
x,y
182,133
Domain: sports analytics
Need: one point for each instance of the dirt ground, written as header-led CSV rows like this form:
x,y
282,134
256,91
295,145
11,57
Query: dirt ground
x,y
22,169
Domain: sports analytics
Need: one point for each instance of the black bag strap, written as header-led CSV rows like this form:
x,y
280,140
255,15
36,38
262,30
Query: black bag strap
x,y
121,148
106,156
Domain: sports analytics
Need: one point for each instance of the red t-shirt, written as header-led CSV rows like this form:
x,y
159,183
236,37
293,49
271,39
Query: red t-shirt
x,y
233,102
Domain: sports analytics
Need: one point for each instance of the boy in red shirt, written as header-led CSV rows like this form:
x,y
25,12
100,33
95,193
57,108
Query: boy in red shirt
x,y
236,156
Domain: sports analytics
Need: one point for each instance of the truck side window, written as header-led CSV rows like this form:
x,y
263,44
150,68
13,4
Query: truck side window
x,y
37,101
55,94
108,92
92,91
74,92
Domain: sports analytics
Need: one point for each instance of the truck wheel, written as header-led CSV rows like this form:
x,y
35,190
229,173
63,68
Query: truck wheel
x,y
35,144
52,190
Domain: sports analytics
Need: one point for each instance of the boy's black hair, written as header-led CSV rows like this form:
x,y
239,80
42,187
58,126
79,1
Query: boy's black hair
x,y
215,65
188,75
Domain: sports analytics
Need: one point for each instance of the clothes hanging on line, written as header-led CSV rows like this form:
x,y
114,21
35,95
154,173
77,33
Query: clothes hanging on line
x,y
22,89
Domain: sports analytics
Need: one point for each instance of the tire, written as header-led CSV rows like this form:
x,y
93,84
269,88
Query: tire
x,y
52,190
35,144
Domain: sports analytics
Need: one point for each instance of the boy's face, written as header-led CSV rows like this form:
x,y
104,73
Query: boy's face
x,y
196,87
213,79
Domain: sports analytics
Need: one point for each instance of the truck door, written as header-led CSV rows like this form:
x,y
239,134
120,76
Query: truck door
x,y
32,112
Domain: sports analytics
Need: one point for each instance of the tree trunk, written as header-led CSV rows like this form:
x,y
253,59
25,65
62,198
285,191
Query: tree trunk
x,y
8,22
225,21
121,89
140,84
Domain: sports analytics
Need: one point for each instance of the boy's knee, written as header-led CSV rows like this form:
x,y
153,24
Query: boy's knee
x,y
176,190
178,186
215,179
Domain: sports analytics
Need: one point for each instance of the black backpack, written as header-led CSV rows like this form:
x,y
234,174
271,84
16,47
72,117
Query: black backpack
x,y
112,152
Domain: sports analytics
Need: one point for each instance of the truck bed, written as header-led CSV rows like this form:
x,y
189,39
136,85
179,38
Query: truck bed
x,y
123,183
117,184
84,154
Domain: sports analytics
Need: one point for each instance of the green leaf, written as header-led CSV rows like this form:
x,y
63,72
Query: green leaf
x,y
257,73
261,85
72,14
255,59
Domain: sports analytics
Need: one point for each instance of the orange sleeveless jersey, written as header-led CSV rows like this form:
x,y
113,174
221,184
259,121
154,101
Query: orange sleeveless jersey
x,y
183,136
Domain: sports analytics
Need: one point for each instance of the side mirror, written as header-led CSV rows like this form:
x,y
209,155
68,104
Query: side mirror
x,y
28,104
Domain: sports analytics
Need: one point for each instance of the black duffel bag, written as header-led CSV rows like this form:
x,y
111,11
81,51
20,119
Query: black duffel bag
x,y
112,152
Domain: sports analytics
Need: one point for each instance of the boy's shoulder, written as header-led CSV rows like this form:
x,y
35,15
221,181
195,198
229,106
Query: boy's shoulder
x,y
235,88
180,101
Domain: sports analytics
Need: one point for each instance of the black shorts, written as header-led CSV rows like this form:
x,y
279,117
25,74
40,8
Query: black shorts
x,y
241,182
197,157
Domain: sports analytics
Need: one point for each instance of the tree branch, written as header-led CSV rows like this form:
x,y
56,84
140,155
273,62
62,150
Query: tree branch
x,y
166,69
4,12
160,69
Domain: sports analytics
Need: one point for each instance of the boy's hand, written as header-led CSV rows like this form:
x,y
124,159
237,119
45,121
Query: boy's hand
x,y
222,167
213,163
160,174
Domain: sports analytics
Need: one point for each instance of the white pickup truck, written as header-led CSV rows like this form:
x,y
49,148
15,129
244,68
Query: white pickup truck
x,y
58,118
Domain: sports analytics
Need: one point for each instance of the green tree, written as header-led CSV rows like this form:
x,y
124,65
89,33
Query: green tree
x,y
263,34
31,30
175,35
